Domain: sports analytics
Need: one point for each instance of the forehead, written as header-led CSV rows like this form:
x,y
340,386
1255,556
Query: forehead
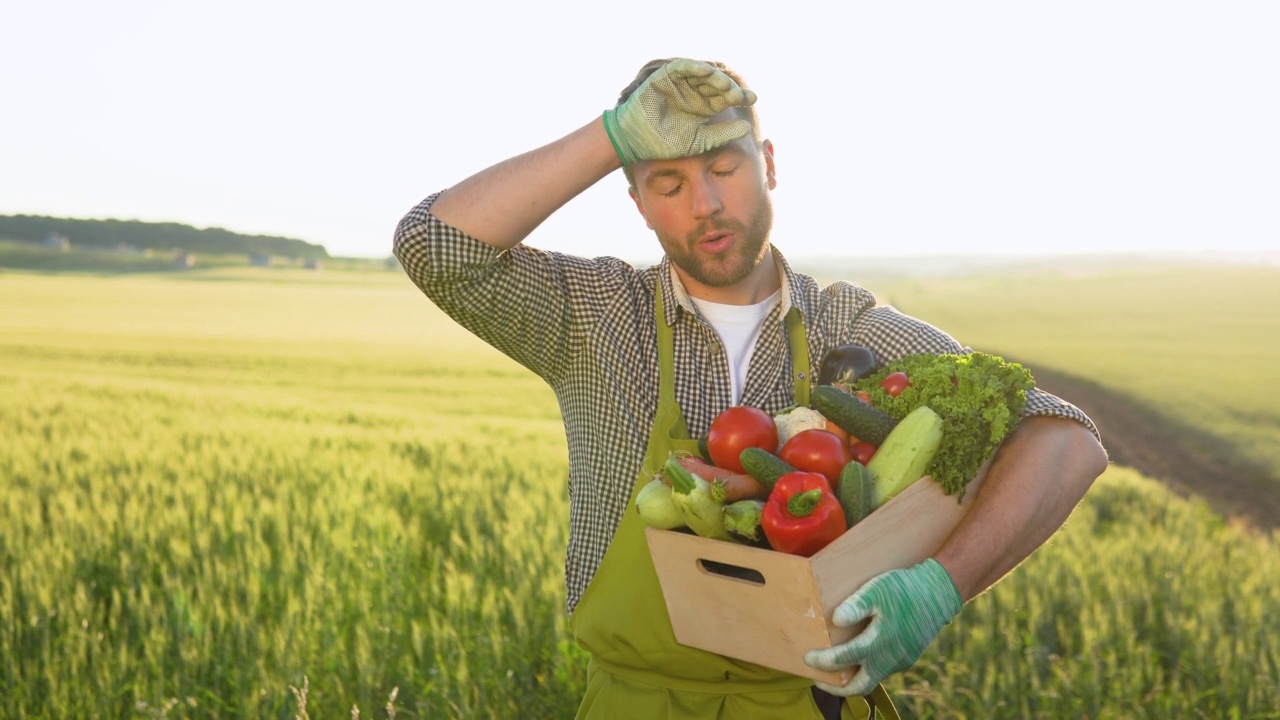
x,y
740,149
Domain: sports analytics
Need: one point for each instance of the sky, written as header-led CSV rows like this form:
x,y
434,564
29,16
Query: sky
x,y
926,128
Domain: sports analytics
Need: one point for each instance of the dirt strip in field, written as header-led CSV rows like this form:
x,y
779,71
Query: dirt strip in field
x,y
1137,437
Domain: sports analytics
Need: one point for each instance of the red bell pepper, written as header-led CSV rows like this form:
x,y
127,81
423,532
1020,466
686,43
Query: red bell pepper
x,y
802,515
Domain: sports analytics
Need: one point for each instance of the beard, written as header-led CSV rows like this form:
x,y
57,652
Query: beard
x,y
725,269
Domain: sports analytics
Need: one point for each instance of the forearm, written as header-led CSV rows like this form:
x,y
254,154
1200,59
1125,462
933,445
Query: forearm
x,y
1038,476
502,204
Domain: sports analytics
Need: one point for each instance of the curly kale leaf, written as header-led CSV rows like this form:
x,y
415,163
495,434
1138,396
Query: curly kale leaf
x,y
979,397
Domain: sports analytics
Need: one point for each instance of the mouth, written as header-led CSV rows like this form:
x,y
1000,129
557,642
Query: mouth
x,y
716,241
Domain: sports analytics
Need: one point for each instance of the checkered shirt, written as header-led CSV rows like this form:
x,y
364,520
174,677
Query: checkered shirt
x,y
586,326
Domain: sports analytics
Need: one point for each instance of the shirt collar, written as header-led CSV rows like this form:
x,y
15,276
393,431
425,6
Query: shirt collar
x,y
672,287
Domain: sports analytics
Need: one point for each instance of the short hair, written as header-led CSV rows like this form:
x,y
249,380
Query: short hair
x,y
652,66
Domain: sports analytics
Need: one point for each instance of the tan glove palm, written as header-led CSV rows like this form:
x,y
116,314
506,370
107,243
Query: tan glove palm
x,y
666,117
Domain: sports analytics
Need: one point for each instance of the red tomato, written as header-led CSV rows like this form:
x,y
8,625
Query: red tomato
x,y
737,429
894,383
863,395
817,451
863,451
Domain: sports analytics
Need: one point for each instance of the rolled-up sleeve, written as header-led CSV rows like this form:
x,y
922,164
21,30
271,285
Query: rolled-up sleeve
x,y
1041,403
433,252
535,306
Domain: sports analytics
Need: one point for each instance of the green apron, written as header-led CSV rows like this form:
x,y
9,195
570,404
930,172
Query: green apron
x,y
637,668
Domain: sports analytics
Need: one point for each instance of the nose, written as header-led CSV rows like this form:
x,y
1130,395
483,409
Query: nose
x,y
706,196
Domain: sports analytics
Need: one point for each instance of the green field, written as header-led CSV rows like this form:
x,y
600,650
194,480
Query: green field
x,y
220,486
1198,345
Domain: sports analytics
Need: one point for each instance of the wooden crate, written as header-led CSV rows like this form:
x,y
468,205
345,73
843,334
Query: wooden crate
x,y
770,608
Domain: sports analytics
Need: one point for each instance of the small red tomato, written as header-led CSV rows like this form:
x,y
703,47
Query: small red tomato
x,y
863,451
894,383
863,395
817,451
737,429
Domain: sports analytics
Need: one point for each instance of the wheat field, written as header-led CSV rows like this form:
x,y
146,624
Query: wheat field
x,y
230,492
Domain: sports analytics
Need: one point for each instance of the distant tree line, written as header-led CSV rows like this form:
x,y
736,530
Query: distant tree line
x,y
113,234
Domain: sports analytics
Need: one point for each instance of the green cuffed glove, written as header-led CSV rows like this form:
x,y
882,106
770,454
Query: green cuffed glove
x,y
666,116
908,608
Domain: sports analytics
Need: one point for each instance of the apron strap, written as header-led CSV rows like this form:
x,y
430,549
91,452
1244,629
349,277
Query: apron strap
x,y
671,424
881,705
799,357
666,350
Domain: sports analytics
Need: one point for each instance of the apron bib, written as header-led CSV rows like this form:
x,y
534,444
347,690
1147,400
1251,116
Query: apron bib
x,y
637,669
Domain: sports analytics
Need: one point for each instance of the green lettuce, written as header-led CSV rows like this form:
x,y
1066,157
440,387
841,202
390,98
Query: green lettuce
x,y
979,397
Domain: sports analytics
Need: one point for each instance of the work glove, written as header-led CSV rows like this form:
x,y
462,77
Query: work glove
x,y
908,608
665,117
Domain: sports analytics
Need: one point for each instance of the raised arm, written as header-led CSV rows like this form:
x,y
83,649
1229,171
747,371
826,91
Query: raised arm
x,y
502,204
666,117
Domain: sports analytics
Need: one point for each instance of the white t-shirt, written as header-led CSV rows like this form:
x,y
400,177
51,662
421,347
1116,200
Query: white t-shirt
x,y
738,327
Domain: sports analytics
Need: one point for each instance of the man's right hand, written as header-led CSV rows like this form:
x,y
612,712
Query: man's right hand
x,y
665,118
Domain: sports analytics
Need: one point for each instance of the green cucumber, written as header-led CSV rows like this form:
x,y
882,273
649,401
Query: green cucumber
x,y
905,455
856,492
854,416
703,450
764,466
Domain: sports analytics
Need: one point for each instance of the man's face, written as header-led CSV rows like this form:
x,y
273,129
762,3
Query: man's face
x,y
712,212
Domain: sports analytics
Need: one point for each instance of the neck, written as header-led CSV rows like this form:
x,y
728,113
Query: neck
x,y
754,288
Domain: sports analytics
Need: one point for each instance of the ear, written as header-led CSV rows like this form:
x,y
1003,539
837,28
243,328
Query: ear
x,y
770,169
635,197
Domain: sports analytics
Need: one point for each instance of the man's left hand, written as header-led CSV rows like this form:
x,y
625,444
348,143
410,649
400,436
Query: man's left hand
x,y
667,116
908,608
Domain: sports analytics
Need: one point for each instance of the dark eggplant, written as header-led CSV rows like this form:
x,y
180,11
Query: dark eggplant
x,y
845,364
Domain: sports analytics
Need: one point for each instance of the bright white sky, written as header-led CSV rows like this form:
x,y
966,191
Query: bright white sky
x,y
899,128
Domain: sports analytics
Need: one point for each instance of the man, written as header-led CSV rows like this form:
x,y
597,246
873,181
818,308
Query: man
x,y
642,360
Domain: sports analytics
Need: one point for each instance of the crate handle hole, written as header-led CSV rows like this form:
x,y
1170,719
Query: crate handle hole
x,y
736,572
